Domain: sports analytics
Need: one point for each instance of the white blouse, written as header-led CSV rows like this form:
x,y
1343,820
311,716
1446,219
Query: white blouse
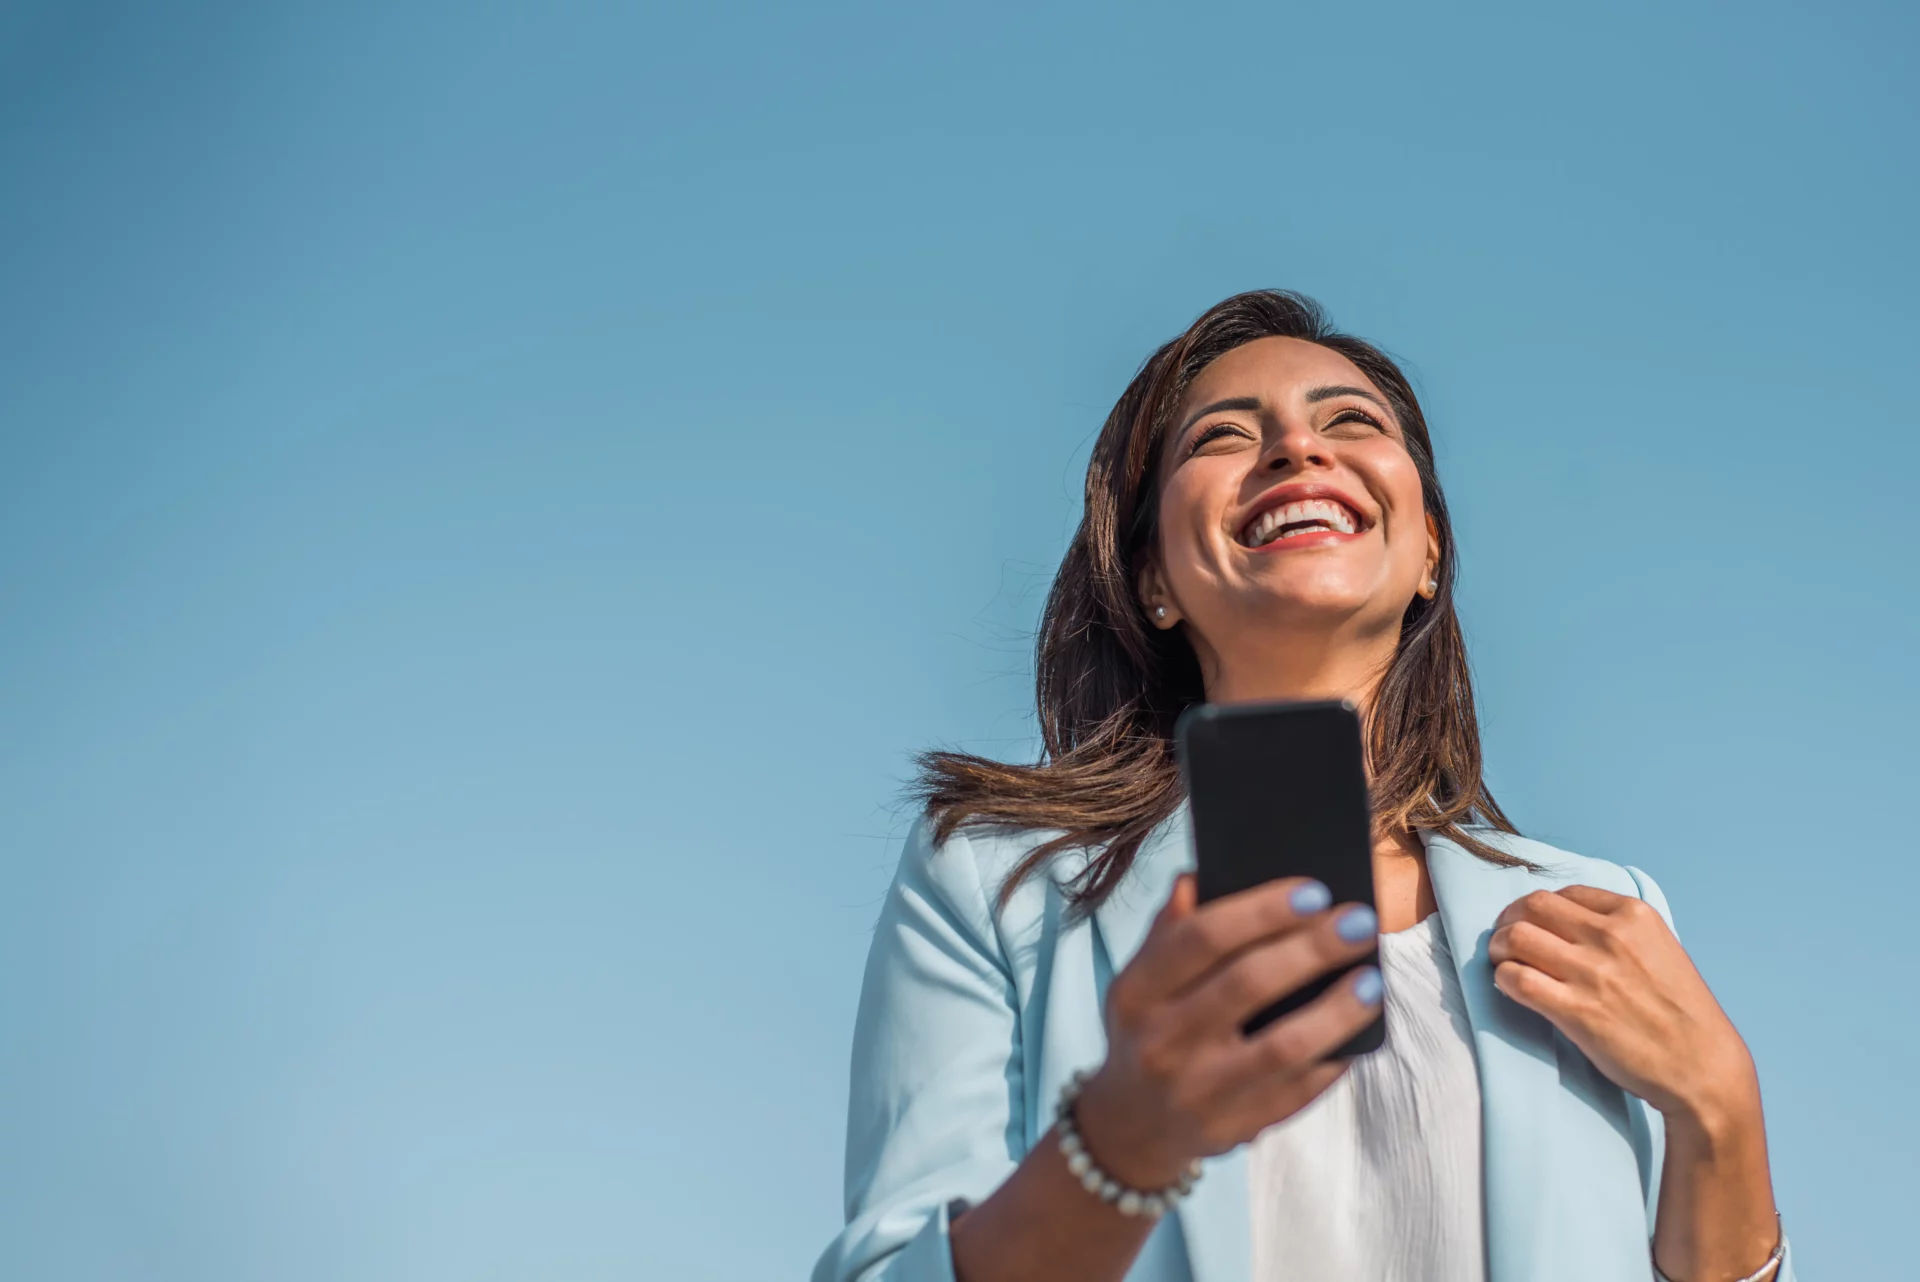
x,y
1378,1180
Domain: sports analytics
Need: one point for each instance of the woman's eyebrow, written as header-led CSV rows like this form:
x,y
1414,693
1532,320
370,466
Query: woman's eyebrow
x,y
1342,389
1231,403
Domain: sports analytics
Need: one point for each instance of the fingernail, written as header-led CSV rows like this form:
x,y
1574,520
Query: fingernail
x,y
1356,924
1367,986
1310,897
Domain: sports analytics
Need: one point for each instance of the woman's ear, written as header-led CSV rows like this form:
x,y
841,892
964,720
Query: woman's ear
x,y
1430,577
1154,597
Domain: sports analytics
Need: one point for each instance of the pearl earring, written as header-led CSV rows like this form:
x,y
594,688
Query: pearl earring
x,y
1159,611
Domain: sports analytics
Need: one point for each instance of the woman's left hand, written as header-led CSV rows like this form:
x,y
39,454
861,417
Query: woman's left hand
x,y
1606,971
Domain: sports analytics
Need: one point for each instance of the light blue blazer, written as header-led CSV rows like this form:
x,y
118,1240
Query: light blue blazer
x,y
972,1019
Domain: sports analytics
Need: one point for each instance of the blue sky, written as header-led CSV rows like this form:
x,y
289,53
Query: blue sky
x,y
491,495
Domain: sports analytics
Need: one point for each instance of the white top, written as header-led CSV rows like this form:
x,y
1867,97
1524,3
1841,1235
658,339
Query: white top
x,y
1378,1180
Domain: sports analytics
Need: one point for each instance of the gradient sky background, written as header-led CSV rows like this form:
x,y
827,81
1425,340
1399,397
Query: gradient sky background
x,y
490,496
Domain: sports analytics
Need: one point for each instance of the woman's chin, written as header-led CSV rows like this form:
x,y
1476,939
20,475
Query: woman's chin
x,y
1307,616
1323,598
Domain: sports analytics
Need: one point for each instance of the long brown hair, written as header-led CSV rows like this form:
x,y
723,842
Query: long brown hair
x,y
1110,687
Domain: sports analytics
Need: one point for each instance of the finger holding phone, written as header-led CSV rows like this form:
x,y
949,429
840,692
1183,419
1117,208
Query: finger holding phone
x,y
1182,1078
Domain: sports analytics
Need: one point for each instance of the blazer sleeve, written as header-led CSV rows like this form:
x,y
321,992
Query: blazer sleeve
x,y
935,1109
1651,892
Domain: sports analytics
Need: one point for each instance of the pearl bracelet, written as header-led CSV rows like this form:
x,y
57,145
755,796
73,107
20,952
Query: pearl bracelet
x,y
1770,1269
1127,1201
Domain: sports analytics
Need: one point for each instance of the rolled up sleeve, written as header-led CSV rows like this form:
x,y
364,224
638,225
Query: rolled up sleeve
x,y
936,1101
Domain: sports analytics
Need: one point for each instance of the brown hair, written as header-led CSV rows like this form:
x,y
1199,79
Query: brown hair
x,y
1110,687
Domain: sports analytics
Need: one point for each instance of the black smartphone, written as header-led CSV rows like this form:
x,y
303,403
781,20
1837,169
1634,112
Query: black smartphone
x,y
1280,790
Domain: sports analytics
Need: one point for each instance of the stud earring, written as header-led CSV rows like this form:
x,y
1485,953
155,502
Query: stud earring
x,y
1159,611
1433,586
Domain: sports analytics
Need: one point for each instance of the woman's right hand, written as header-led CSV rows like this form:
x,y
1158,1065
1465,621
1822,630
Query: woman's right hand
x,y
1181,1081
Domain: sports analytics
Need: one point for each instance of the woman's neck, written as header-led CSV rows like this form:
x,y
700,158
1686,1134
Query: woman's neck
x,y
1402,889
1299,669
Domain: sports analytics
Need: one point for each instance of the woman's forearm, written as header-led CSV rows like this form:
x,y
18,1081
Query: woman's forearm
x,y
1041,1226
1716,1216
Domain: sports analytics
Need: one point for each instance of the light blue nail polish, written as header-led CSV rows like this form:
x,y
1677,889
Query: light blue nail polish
x,y
1357,923
1310,898
1367,986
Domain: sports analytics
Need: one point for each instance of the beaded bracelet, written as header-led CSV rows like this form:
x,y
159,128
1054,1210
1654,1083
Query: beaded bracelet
x,y
1127,1201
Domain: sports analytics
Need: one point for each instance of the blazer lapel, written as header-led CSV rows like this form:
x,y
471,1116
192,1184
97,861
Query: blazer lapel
x,y
1562,1183
1128,912
1214,1218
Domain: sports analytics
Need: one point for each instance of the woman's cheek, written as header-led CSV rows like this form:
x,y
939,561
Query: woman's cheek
x,y
1201,560
1177,562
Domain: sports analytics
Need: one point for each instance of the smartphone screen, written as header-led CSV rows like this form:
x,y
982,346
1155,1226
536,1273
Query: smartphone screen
x,y
1280,790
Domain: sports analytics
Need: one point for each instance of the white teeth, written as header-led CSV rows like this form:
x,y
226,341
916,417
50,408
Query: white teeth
x,y
1309,515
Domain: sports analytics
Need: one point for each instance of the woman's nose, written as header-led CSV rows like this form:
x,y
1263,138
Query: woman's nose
x,y
1297,447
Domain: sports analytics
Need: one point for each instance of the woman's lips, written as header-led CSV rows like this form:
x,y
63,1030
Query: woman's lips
x,y
1306,539
1290,513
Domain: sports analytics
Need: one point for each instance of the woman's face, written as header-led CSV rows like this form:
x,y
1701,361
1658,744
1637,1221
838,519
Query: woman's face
x,y
1291,515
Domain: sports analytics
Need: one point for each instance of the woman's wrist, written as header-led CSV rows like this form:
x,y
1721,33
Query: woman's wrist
x,y
1717,1217
1721,1109
1113,1139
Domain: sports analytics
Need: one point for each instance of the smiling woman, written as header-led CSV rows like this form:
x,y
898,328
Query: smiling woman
x,y
1049,1051
1114,677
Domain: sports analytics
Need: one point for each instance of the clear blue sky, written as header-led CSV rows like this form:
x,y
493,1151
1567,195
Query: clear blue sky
x,y
490,495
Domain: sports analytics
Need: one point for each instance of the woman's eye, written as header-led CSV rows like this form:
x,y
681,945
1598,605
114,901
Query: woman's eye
x,y
1213,433
1356,416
